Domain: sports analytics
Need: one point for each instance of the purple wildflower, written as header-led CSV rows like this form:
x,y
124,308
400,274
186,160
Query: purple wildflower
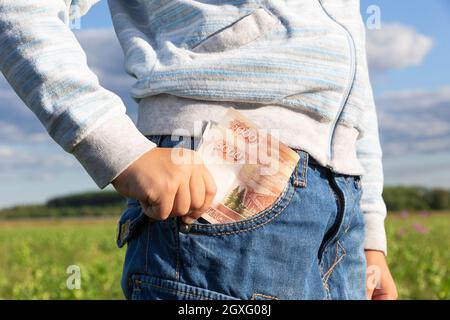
x,y
404,214
424,214
420,228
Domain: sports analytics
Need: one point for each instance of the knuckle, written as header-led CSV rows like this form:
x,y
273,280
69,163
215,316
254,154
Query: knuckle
x,y
181,210
211,191
171,187
163,216
197,204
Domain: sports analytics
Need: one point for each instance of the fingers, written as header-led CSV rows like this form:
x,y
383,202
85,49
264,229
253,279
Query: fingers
x,y
209,193
210,189
385,296
191,198
369,293
182,202
161,208
197,189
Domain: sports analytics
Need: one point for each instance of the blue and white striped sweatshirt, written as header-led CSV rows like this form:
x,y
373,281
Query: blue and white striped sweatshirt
x,y
297,66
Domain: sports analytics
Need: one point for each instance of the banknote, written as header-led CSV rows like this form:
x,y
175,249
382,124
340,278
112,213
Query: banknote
x,y
250,166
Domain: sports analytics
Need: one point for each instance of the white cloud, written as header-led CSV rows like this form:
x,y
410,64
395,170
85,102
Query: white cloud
x,y
19,124
419,99
6,151
396,46
415,121
37,158
26,150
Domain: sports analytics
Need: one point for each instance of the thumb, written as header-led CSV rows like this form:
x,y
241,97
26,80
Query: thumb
x,y
369,293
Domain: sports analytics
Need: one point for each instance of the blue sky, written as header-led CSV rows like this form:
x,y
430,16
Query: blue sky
x,y
409,67
431,18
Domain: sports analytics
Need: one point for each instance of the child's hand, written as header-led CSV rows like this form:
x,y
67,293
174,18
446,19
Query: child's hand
x,y
165,188
380,284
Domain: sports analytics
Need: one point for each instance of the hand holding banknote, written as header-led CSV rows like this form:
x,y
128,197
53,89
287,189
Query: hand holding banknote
x,y
166,187
253,168
252,165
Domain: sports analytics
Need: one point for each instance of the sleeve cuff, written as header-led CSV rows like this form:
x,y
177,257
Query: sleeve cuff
x,y
375,238
109,149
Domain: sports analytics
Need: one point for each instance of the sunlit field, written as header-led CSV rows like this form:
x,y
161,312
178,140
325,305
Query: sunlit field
x,y
35,255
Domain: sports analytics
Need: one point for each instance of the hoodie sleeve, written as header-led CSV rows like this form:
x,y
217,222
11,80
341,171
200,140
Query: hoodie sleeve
x,y
369,153
46,66
372,204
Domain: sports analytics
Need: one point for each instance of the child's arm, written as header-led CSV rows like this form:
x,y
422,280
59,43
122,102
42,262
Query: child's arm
x,y
380,283
44,63
372,204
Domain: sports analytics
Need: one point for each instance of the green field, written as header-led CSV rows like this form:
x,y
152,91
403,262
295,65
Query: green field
x,y
36,253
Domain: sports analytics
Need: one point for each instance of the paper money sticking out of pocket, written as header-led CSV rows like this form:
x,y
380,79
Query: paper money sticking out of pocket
x,y
250,166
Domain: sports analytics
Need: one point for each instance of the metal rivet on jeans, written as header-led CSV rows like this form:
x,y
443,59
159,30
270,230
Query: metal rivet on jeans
x,y
185,228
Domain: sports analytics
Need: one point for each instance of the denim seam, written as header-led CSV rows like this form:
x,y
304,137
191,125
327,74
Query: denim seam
x,y
355,206
296,182
305,170
340,222
256,226
177,253
324,284
303,181
147,247
177,291
350,220
338,205
263,296
338,258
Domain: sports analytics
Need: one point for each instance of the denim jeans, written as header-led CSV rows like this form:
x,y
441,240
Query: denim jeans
x,y
307,245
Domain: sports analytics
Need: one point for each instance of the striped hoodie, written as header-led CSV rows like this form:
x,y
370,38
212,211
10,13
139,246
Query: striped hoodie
x,y
295,66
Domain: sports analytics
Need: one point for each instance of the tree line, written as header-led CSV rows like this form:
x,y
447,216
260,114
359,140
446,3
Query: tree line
x,y
416,198
110,203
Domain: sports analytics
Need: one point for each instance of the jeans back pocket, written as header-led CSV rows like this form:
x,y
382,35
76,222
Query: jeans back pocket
x,y
147,287
297,179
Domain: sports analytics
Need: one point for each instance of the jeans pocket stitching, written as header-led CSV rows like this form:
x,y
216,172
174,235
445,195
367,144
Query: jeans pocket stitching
x,y
180,292
303,181
285,197
340,254
173,287
243,226
263,296
147,246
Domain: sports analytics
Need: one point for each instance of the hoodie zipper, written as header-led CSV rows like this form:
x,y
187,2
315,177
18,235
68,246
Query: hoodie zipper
x,y
350,81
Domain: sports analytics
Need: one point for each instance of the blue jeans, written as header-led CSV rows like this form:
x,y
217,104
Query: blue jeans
x,y
308,245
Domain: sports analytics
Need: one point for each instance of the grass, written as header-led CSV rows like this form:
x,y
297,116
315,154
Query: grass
x,y
36,254
419,255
